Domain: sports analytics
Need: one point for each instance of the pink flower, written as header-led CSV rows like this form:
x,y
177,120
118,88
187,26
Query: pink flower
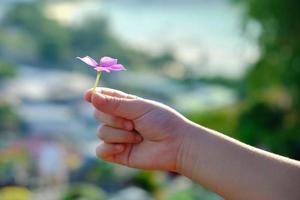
x,y
106,64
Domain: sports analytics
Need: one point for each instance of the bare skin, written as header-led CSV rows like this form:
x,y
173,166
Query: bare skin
x,y
144,134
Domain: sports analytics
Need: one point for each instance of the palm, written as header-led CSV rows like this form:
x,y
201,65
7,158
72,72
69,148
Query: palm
x,y
158,149
147,155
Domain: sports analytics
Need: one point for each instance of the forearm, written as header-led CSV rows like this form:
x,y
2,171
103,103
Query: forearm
x,y
235,170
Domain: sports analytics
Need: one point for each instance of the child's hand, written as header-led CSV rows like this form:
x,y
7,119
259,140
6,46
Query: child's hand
x,y
137,132
148,135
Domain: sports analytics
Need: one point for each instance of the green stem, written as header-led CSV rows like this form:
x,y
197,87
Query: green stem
x,y
97,80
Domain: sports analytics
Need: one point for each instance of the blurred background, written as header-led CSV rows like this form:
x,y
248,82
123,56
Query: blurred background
x,y
230,65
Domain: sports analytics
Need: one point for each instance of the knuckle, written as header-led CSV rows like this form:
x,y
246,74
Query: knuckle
x,y
116,104
114,93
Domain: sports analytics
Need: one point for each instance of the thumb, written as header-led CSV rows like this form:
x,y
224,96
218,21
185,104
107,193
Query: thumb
x,y
122,107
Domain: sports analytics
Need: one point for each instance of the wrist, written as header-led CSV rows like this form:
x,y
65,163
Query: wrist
x,y
186,159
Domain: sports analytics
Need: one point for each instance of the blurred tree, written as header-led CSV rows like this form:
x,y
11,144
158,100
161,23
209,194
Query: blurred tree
x,y
84,191
93,38
280,47
29,36
147,180
52,39
10,122
163,59
272,84
7,69
268,115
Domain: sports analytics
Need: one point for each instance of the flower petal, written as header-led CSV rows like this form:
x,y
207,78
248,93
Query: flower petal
x,y
88,60
117,67
108,61
99,69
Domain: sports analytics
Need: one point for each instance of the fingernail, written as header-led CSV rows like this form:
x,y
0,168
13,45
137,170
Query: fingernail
x,y
128,125
87,97
98,97
97,94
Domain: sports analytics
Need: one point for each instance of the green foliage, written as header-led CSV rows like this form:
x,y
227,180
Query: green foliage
x,y
84,191
51,38
268,115
189,192
278,68
162,59
100,171
223,120
280,46
7,69
182,195
267,123
92,37
15,192
9,120
147,180
270,127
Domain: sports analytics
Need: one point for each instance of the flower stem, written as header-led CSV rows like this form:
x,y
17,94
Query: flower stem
x,y
97,80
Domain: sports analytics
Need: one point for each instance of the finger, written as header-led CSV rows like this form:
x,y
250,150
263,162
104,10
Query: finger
x,y
109,92
107,151
116,122
113,135
122,107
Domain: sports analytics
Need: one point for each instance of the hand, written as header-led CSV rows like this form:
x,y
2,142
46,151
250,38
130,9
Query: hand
x,y
137,132
145,134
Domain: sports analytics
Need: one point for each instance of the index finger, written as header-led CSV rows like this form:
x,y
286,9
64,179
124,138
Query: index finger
x,y
109,92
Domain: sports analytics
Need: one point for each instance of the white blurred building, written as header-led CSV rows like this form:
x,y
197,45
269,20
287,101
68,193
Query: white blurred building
x,y
50,101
